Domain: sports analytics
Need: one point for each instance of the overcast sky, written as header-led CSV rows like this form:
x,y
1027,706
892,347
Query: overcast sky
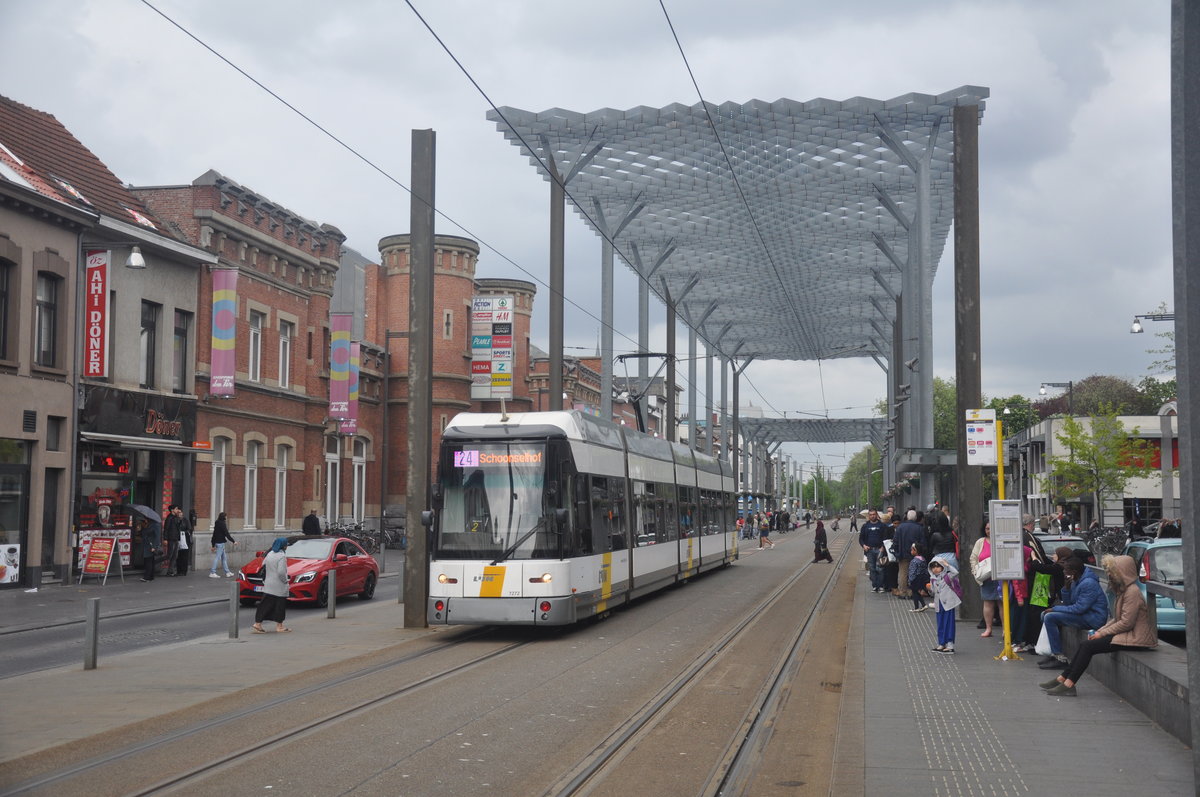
x,y
1074,144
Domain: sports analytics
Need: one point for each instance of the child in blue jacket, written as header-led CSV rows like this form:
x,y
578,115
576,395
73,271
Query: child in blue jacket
x,y
918,577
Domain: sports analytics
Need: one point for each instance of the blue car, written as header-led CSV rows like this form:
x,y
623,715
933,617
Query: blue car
x,y
1162,561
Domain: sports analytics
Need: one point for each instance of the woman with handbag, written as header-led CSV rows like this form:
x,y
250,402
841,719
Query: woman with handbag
x,y
981,569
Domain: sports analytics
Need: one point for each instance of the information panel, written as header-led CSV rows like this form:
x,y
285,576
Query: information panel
x,y
1008,563
492,347
981,438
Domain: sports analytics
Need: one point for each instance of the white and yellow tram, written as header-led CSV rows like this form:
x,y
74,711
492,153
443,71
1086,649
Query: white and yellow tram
x,y
547,518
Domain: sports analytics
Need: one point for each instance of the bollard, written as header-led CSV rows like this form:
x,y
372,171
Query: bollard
x,y
331,608
233,609
91,633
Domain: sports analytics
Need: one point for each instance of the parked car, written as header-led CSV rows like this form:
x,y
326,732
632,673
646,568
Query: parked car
x,y
310,559
1161,560
1044,545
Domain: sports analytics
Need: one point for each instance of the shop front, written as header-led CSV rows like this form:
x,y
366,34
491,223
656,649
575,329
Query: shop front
x,y
135,449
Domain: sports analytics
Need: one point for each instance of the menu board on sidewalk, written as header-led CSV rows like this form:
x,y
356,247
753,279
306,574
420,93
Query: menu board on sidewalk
x,y
98,558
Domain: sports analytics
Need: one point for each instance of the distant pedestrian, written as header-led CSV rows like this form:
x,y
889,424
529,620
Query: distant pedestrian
x,y
947,595
221,538
151,546
170,532
764,533
311,524
273,605
183,541
821,545
854,521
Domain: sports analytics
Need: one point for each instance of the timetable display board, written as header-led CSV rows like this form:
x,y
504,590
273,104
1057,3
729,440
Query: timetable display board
x,y
492,347
1008,561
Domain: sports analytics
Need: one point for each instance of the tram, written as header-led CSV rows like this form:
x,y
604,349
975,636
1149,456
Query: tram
x,y
548,518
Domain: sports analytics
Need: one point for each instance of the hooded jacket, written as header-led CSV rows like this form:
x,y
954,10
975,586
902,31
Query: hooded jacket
x,y
947,592
1085,600
1131,620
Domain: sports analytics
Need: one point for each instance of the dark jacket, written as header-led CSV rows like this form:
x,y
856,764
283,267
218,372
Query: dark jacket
x,y
871,534
311,524
1085,600
909,533
151,537
220,533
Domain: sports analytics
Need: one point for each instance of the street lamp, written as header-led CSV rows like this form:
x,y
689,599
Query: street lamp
x,y
1070,386
1136,328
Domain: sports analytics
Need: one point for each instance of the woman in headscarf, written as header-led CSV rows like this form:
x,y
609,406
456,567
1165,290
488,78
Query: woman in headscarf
x,y
821,544
273,605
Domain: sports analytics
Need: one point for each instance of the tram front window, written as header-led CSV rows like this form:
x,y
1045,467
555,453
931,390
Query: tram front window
x,y
493,503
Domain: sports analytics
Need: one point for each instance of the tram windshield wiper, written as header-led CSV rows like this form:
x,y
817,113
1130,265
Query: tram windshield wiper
x,y
512,548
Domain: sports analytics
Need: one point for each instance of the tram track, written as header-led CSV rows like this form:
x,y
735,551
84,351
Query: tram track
x,y
60,781
743,749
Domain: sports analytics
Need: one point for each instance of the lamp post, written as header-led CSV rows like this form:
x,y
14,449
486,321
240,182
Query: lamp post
x,y
1136,328
1070,386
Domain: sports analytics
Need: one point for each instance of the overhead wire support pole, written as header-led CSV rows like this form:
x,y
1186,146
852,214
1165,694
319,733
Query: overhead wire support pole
x,y
558,209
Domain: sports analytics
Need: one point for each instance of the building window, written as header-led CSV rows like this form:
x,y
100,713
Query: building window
x,y
251,497
45,343
358,506
257,322
5,299
333,473
287,333
283,459
220,448
148,343
448,324
179,368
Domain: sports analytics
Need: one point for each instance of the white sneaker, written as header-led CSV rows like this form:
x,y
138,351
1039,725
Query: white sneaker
x,y
229,575
213,575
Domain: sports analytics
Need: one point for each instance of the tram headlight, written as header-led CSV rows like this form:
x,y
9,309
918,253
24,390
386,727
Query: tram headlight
x,y
445,579
544,578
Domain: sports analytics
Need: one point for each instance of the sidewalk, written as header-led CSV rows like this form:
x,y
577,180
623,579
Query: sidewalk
x,y
970,725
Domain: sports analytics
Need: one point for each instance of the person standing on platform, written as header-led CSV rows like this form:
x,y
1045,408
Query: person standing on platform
x,y
221,538
870,537
947,595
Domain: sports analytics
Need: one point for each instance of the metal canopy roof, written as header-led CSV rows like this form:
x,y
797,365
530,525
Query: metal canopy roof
x,y
795,258
814,430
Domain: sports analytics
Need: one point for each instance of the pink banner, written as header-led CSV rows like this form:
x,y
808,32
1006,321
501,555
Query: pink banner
x,y
350,424
224,332
339,364
95,313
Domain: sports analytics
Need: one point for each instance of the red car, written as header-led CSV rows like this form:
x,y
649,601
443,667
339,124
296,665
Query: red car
x,y
309,560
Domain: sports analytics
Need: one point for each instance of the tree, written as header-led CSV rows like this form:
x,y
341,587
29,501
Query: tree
x,y
1101,459
859,476
1165,365
1021,414
1158,392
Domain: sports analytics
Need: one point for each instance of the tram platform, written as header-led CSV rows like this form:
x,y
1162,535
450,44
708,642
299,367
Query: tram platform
x,y
912,722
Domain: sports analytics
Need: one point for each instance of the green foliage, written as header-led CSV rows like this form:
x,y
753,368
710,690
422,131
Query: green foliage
x,y
1021,414
1166,362
945,413
853,485
1102,456
1158,392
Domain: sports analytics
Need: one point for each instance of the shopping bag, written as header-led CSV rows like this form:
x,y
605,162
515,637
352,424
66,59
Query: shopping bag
x,y
1043,643
1040,595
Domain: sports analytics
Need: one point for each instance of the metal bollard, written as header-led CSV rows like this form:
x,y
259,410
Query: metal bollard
x,y
91,633
233,609
331,608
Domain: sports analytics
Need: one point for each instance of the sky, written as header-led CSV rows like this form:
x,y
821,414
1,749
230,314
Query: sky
x,y
1074,145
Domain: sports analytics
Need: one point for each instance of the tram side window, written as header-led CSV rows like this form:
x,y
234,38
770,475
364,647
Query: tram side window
x,y
687,512
617,530
647,521
668,501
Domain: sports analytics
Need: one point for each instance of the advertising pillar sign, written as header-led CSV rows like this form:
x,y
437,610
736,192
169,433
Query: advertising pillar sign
x,y
224,332
492,347
981,438
95,313
339,365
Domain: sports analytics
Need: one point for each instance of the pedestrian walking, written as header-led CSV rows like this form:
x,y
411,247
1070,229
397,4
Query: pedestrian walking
x,y
947,595
273,605
764,533
821,545
221,538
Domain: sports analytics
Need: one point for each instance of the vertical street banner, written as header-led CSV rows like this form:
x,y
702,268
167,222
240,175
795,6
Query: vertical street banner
x,y
95,313
349,425
339,365
981,438
224,332
492,347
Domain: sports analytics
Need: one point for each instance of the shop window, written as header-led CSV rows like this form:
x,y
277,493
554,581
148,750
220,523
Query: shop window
x,y
220,451
287,333
148,343
179,368
45,321
333,476
283,459
250,502
257,322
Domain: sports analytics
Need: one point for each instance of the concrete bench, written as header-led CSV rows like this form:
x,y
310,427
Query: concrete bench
x,y
1152,681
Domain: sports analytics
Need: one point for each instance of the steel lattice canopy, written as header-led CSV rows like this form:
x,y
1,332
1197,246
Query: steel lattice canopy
x,y
814,430
778,263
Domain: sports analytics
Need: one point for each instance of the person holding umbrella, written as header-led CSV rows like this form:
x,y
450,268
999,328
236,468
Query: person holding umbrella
x,y
151,542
